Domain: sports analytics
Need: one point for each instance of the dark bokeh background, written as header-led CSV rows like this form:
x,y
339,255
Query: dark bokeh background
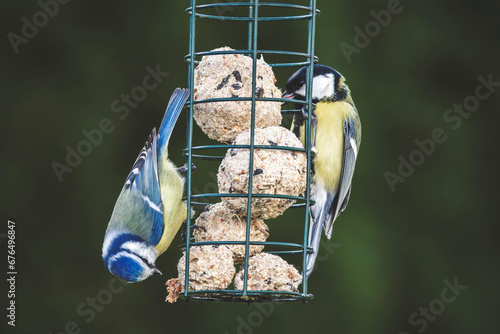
x,y
392,250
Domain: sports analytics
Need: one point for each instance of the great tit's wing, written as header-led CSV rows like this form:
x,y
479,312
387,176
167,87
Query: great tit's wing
x,y
328,205
348,163
174,108
298,121
139,209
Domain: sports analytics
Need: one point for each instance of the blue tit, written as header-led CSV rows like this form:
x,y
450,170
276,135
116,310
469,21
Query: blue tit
x,y
149,210
335,137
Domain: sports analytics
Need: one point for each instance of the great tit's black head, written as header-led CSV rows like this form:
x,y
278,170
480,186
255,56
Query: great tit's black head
x,y
328,84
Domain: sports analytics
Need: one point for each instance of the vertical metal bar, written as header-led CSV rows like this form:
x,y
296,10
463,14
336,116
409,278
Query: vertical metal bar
x,y
250,26
252,134
189,140
310,71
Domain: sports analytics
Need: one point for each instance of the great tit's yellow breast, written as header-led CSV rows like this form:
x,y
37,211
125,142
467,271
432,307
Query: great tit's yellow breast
x,y
174,209
330,142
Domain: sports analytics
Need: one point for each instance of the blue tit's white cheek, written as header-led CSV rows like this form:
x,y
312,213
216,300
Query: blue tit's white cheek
x,y
323,86
142,250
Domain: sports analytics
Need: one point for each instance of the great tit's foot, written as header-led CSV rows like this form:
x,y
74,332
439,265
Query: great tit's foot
x,y
305,114
184,169
207,208
314,125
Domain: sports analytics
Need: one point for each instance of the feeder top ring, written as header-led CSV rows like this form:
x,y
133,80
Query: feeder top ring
x,y
247,18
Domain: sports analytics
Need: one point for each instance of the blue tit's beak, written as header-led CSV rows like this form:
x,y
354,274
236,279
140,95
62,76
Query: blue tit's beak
x,y
156,271
287,95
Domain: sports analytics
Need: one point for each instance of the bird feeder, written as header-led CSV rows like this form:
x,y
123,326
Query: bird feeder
x,y
307,12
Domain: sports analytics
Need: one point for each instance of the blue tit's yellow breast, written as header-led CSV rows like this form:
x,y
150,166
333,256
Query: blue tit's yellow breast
x,y
174,209
330,142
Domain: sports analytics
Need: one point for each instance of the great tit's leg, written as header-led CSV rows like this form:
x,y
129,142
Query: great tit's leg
x,y
184,169
314,125
304,112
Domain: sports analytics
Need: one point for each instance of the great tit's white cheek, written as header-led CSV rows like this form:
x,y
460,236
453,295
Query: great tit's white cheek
x,y
301,91
323,86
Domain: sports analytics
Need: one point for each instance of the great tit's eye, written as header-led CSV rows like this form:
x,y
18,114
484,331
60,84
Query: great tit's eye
x,y
301,82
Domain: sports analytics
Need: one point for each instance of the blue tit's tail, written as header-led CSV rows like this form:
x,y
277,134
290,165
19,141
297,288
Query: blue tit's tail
x,y
174,108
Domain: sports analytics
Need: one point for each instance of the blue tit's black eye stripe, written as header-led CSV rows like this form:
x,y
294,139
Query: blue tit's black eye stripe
x,y
151,266
139,162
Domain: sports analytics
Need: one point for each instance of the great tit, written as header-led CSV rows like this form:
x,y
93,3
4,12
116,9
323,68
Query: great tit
x,y
335,137
149,210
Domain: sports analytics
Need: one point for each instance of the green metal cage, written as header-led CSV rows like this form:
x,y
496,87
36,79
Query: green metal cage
x,y
303,12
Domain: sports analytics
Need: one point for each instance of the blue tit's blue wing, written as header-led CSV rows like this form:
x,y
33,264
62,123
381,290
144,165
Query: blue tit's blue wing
x,y
142,192
174,108
348,164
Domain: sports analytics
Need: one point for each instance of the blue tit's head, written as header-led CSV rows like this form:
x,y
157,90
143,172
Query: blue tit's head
x,y
129,257
328,84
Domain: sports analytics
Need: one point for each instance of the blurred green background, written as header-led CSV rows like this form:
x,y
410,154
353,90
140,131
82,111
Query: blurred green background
x,y
391,251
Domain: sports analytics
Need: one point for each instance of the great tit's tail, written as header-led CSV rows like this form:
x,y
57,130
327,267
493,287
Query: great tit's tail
x,y
315,229
320,211
174,108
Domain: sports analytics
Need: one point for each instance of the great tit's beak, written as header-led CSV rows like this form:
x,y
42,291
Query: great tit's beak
x,y
287,95
156,271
